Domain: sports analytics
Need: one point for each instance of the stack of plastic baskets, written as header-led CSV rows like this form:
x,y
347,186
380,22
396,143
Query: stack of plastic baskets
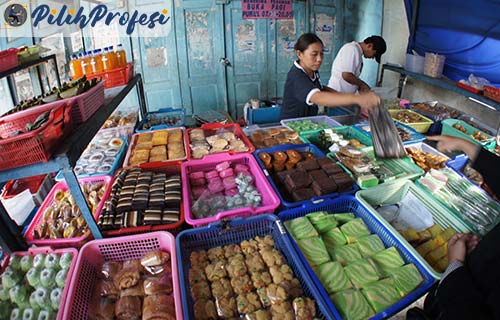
x,y
94,253
350,204
234,233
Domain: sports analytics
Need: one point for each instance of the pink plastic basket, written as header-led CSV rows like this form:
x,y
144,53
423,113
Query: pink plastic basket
x,y
133,142
94,253
8,59
270,200
46,250
63,242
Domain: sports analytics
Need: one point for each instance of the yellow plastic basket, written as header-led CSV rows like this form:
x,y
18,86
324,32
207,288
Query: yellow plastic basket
x,y
422,126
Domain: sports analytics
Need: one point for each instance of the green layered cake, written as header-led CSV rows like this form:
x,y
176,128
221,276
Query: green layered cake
x,y
333,277
344,217
381,295
387,260
361,273
370,245
301,228
352,305
315,216
333,238
354,230
406,278
346,254
314,251
325,224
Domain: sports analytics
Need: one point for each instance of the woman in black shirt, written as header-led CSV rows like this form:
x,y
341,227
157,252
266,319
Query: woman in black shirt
x,y
303,88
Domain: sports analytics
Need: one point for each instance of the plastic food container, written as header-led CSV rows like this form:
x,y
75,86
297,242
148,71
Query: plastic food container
x,y
414,63
116,77
235,232
395,192
413,135
348,133
426,148
351,204
421,126
154,119
449,129
323,120
434,64
64,242
94,253
492,93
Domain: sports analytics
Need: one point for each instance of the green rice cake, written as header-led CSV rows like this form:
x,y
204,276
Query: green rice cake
x,y
361,273
333,238
325,224
387,260
406,278
344,217
370,245
314,251
381,295
346,254
354,230
352,305
301,228
333,277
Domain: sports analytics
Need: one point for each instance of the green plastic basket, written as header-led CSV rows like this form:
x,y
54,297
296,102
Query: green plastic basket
x,y
449,130
348,132
393,193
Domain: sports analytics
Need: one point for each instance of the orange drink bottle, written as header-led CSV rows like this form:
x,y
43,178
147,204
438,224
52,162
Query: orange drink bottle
x,y
75,67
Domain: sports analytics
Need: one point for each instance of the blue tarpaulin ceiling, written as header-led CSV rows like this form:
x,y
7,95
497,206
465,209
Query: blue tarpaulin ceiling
x,y
466,32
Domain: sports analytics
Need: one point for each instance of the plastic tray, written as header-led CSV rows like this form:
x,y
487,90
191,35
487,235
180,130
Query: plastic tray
x,y
300,148
62,242
270,200
437,112
422,126
116,77
46,250
235,232
116,164
478,124
492,93
211,129
174,228
8,59
465,86
393,193
94,253
426,148
350,204
316,119
153,164
348,132
414,135
448,129
37,145
181,113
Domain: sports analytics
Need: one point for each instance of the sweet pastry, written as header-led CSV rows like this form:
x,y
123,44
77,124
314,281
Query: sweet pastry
x,y
333,277
160,137
314,250
279,157
381,295
352,305
354,230
301,228
361,273
158,307
128,308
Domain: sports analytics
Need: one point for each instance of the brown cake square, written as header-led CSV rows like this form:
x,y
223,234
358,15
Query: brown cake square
x,y
303,194
297,179
318,174
308,165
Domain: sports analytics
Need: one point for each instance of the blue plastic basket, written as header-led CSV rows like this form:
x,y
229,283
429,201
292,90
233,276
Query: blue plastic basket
x,y
264,115
414,135
181,113
458,162
351,204
235,232
306,147
116,165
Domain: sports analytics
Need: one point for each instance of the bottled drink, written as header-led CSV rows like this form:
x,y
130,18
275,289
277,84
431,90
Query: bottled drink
x,y
86,66
112,57
107,60
75,67
98,61
121,56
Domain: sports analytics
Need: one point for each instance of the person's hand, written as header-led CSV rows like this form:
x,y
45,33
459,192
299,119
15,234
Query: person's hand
x,y
450,144
368,101
364,88
460,245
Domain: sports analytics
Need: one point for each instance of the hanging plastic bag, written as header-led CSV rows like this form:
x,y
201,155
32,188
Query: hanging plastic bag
x,y
386,140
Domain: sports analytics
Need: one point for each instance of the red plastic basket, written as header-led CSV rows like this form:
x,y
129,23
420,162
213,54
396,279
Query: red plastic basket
x,y
116,77
492,93
212,128
8,59
174,228
46,250
133,142
37,145
14,187
94,253
469,88
69,242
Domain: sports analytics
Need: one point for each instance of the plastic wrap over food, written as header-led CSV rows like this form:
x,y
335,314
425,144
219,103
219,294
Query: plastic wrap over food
x,y
386,140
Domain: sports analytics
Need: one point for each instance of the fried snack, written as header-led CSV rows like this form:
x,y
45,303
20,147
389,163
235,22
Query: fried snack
x,y
279,157
293,156
160,138
158,285
128,308
144,137
204,309
101,309
128,276
175,136
135,291
106,289
158,307
109,269
265,158
155,258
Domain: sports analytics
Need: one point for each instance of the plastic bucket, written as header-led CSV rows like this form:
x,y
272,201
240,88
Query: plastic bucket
x,y
414,63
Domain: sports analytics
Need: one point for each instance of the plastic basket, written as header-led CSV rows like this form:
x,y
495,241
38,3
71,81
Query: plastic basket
x,y
413,135
422,126
251,129
264,115
448,129
348,132
47,250
324,120
133,142
37,145
350,204
8,59
211,129
270,200
28,54
94,253
235,232
65,242
116,77
116,164
300,148
39,187
426,148
436,111
393,193
478,124
173,228
492,93
458,162
179,114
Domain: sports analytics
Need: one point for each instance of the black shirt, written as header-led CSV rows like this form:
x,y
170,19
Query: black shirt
x,y
298,87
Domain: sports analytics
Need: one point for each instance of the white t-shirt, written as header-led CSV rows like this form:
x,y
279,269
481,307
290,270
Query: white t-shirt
x,y
349,59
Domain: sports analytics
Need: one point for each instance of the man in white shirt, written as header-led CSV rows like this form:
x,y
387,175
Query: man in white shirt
x,y
348,64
